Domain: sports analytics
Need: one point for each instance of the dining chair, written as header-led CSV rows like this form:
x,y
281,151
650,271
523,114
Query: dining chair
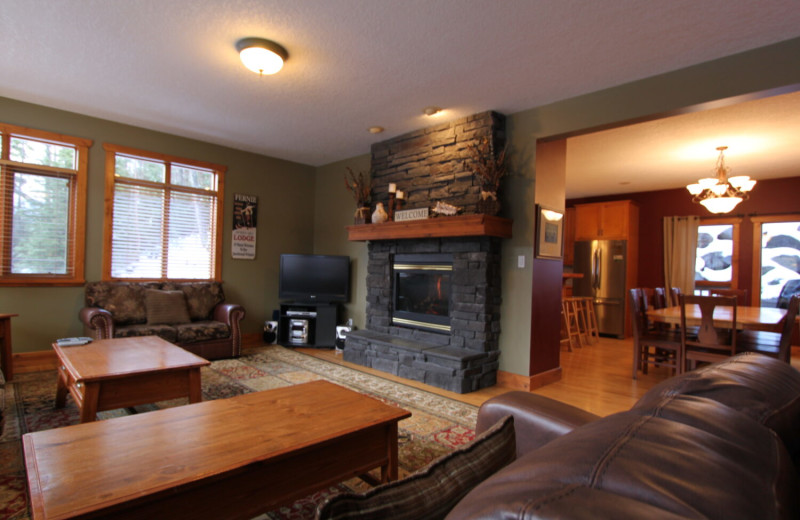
x,y
789,289
660,297
651,346
675,294
739,294
773,344
710,343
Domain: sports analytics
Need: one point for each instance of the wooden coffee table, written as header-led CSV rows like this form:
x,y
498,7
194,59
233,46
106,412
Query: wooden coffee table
x,y
123,372
227,458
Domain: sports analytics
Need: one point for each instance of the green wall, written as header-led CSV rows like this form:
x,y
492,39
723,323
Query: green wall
x,y
285,193
304,209
754,71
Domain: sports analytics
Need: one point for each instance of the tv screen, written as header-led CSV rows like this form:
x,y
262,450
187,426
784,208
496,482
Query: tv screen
x,y
314,278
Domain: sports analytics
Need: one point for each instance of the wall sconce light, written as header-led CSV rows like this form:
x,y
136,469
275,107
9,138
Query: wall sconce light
x,y
432,111
261,56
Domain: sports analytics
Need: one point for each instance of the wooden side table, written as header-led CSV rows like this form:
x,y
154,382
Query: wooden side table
x,y
6,360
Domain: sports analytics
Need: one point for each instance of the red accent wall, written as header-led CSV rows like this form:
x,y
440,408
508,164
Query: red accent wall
x,y
775,196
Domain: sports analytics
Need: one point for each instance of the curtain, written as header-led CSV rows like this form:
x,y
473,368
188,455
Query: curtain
x,y
680,252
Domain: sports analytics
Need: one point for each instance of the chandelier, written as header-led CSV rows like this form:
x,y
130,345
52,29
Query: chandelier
x,y
721,194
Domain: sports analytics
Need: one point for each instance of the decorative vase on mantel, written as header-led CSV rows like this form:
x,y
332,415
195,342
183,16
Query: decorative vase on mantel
x,y
362,216
488,203
380,214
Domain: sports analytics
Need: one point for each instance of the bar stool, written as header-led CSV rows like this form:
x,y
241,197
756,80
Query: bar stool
x,y
574,318
592,330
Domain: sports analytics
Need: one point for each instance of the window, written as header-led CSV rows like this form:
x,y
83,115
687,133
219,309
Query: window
x,y
42,207
776,257
163,217
717,263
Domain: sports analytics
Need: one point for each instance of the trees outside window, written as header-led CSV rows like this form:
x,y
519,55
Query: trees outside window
x,y
163,217
42,207
776,258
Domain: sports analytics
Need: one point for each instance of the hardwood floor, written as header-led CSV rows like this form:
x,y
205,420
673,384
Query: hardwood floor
x,y
596,378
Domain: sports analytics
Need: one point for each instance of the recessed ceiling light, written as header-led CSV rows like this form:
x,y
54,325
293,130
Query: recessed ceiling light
x,y
432,111
375,129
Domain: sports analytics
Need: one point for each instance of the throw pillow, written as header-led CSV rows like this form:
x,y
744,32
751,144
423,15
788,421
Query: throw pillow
x,y
166,307
433,491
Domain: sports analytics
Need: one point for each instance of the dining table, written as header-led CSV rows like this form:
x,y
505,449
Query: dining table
x,y
751,318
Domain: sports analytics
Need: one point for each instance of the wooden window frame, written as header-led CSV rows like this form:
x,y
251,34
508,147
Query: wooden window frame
x,y
736,222
77,200
755,299
108,222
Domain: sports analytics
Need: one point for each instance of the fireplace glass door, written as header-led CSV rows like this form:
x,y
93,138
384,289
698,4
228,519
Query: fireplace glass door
x,y
422,291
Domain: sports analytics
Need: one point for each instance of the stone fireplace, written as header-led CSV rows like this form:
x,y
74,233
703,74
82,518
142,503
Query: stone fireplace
x,y
461,356
433,286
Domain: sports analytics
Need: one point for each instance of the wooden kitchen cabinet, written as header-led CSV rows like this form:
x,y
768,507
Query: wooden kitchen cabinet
x,y
617,220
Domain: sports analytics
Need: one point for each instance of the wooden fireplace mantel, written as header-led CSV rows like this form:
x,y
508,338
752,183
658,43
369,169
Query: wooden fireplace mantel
x,y
436,227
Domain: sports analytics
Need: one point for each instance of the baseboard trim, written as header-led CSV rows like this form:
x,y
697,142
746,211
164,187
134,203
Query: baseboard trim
x,y
528,383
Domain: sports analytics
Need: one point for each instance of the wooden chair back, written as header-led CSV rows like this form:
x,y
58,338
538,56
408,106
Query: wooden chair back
x,y
739,294
659,298
710,344
785,345
675,295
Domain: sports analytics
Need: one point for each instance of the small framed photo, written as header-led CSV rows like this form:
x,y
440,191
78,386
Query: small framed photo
x,y
549,233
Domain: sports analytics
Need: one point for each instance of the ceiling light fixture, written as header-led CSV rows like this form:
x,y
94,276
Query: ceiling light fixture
x,y
432,111
375,129
721,194
261,56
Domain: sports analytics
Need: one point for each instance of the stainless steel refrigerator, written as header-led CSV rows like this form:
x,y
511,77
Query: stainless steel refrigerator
x,y
603,264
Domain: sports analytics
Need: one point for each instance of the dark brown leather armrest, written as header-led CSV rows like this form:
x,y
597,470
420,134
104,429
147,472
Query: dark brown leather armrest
x,y
97,322
229,313
537,419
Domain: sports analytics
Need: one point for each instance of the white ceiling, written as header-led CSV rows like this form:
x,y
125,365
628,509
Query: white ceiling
x,y
171,65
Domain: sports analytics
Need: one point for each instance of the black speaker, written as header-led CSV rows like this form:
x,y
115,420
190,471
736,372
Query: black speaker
x,y
270,332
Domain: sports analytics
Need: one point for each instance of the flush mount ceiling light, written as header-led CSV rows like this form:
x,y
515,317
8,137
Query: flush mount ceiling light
x,y
432,111
261,56
721,194
375,129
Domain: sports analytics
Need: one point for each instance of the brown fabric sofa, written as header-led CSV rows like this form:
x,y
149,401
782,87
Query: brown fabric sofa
x,y
193,315
719,442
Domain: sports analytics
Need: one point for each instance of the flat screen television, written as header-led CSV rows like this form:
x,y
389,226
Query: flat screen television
x,y
314,278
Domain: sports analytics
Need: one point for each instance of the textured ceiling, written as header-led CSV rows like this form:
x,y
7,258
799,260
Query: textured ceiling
x,y
171,65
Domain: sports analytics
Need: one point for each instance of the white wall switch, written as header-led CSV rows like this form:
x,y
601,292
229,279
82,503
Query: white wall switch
x,y
521,261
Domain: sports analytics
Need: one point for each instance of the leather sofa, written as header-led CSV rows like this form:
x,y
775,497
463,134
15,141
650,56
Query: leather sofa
x,y
722,441
193,315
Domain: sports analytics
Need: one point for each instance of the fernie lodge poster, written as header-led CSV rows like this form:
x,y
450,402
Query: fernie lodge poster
x,y
245,208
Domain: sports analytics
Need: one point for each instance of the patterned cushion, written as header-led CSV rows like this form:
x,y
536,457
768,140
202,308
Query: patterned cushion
x,y
125,301
202,331
201,297
165,332
431,492
165,307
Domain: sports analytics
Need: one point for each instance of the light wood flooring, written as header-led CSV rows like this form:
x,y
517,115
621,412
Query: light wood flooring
x,y
596,378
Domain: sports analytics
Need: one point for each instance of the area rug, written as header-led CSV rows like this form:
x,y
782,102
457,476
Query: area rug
x,y
437,425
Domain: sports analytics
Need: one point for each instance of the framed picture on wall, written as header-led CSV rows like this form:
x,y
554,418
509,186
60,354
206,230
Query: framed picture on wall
x,y
549,233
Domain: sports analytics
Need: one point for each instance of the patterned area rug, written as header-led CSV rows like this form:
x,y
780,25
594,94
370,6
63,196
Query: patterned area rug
x,y
437,424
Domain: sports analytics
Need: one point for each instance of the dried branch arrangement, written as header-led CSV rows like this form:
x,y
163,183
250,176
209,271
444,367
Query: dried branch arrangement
x,y
360,186
488,167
